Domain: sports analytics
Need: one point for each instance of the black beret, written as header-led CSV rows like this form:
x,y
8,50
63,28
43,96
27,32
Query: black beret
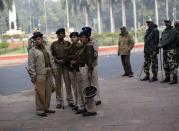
x,y
167,21
74,34
88,29
60,30
37,34
85,33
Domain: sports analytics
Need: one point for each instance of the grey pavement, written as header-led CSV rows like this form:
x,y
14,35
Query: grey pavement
x,y
127,105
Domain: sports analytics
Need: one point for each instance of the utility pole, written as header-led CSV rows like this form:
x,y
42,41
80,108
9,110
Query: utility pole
x,y
30,18
123,13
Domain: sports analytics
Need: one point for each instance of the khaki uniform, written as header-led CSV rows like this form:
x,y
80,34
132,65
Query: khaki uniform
x,y
86,57
40,66
75,75
58,50
95,73
125,45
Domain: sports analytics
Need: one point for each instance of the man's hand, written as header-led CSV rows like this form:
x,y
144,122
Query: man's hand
x,y
59,61
33,80
72,62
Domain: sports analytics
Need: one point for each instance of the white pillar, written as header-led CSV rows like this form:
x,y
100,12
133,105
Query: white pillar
x,y
156,12
12,17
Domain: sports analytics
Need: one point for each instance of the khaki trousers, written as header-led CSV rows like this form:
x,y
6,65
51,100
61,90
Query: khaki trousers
x,y
96,83
43,90
63,71
76,81
90,103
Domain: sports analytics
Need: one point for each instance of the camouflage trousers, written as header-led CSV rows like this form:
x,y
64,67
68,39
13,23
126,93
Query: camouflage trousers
x,y
151,59
170,63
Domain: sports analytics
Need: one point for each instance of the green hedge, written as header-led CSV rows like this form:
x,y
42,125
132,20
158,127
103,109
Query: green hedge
x,y
4,44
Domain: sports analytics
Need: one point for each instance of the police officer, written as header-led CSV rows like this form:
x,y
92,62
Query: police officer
x,y
125,45
167,43
58,49
95,63
40,67
151,40
74,72
87,58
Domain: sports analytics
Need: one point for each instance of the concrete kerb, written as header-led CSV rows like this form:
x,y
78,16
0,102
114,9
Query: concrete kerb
x,y
102,50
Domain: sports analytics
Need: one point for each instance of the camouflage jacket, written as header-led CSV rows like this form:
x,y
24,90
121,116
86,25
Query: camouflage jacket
x,y
151,39
168,38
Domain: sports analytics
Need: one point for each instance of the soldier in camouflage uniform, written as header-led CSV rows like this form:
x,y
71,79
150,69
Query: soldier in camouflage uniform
x,y
58,49
177,41
95,46
151,40
168,44
125,45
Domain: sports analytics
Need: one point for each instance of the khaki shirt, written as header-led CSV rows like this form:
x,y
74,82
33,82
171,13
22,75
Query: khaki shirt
x,y
125,43
59,49
36,62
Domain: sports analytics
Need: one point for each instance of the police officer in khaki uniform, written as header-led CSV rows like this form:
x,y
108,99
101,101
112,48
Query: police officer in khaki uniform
x,y
87,58
40,66
125,45
58,49
74,72
95,63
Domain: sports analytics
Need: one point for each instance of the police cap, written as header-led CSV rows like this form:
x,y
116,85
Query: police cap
x,y
167,21
60,30
85,33
37,34
74,34
88,29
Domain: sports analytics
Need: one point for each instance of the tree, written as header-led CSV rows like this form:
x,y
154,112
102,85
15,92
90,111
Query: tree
x,y
6,3
111,2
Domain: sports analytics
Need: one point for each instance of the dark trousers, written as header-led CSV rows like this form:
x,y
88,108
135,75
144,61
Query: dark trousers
x,y
126,64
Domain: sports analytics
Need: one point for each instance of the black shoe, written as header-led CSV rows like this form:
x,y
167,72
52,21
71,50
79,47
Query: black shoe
x,y
89,113
98,102
79,111
174,81
146,78
43,114
75,108
71,105
131,75
59,106
124,75
154,78
167,79
50,111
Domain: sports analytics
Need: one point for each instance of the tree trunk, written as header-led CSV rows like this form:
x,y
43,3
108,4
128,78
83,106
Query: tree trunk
x,y
135,18
156,12
167,9
99,15
86,16
123,13
111,15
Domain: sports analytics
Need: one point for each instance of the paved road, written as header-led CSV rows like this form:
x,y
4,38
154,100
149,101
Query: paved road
x,y
15,78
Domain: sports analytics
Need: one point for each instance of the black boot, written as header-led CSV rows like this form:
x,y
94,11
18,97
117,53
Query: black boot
x,y
146,78
154,78
167,79
173,81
